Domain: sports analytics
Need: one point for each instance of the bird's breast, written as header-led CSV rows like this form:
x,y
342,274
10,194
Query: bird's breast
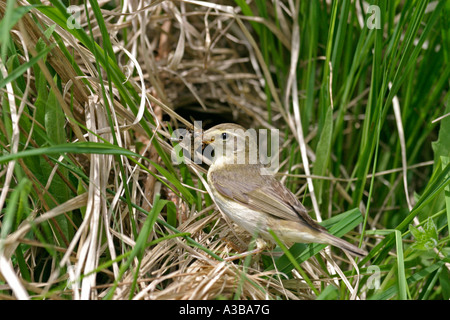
x,y
248,219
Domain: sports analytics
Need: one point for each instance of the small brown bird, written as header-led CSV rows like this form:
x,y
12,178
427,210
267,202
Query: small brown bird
x,y
259,202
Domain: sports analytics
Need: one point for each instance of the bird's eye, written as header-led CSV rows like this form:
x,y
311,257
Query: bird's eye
x,y
224,136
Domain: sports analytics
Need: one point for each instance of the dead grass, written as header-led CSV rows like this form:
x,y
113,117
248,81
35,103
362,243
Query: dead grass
x,y
178,56
184,60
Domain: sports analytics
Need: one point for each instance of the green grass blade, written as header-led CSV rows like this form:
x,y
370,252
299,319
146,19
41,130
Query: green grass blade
x,y
141,242
402,287
24,67
294,262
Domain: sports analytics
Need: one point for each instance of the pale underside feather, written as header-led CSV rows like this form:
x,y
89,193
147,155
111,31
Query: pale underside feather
x,y
262,193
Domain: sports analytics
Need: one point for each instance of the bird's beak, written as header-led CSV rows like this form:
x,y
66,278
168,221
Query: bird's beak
x,y
206,140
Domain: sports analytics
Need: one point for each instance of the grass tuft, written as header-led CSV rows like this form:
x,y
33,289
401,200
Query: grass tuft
x,y
93,207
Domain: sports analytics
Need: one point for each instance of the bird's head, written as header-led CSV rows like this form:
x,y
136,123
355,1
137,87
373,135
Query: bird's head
x,y
231,143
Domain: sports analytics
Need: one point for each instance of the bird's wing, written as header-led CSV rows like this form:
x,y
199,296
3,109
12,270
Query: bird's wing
x,y
263,193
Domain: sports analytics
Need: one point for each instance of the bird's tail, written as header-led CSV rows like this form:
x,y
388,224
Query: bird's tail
x,y
344,245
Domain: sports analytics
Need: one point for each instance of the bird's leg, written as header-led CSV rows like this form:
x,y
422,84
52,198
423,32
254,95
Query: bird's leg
x,y
260,246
